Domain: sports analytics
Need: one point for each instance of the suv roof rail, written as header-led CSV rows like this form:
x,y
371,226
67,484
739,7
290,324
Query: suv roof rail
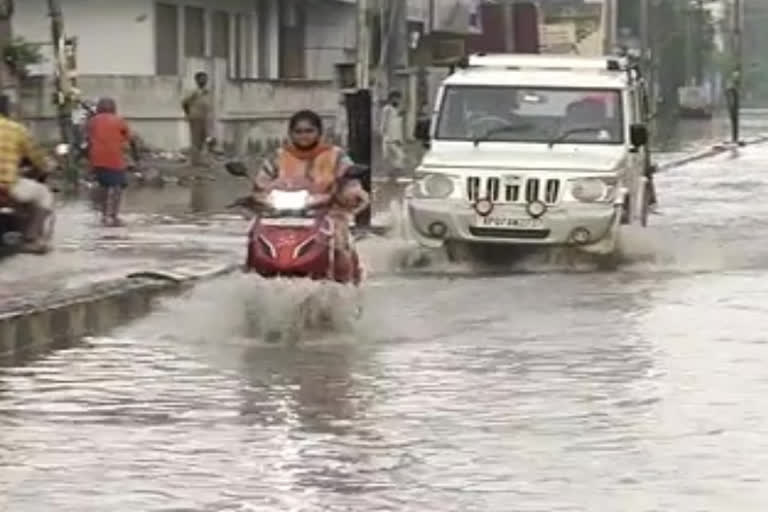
x,y
519,61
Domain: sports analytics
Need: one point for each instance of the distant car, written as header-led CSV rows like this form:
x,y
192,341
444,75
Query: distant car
x,y
695,102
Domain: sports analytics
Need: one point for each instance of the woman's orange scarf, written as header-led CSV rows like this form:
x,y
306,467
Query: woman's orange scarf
x,y
308,154
294,163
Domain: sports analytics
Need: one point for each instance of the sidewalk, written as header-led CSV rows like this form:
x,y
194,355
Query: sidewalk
x,y
165,228
85,252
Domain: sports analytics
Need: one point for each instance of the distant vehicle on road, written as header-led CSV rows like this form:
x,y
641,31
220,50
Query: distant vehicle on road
x,y
695,102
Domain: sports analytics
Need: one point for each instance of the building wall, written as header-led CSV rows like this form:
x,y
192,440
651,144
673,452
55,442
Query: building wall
x,y
117,58
113,39
331,38
249,113
119,37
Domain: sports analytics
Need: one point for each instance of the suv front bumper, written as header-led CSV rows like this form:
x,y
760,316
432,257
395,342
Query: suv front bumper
x,y
433,221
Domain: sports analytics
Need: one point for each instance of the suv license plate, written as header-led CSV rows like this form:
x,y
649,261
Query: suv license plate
x,y
504,222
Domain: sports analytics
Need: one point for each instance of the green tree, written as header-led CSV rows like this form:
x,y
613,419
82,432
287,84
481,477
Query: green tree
x,y
19,54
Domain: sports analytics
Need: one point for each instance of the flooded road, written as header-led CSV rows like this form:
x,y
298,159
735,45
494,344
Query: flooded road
x,y
634,390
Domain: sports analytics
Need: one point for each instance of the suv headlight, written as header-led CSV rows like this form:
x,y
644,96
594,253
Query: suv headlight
x,y
593,190
435,186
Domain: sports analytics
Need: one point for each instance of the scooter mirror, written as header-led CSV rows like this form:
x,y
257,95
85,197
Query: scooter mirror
x,y
236,168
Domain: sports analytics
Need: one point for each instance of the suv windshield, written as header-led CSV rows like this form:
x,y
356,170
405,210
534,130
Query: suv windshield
x,y
524,114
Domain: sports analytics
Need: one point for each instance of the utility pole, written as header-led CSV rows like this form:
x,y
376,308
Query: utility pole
x,y
610,21
363,45
63,86
733,92
646,53
6,13
509,24
699,53
359,106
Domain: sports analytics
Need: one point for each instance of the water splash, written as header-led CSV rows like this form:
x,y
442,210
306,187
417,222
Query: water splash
x,y
249,309
658,248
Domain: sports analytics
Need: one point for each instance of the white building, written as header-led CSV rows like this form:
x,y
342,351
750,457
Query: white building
x,y
267,58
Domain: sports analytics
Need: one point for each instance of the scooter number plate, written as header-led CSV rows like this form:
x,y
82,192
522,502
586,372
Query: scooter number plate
x,y
296,223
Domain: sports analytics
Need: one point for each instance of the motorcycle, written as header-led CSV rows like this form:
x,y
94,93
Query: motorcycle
x,y
291,235
15,217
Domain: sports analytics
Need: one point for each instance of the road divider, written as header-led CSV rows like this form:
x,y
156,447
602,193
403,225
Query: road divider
x,y
62,317
710,151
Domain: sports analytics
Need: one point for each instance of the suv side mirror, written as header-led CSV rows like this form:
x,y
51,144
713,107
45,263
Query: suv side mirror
x,y
422,129
638,135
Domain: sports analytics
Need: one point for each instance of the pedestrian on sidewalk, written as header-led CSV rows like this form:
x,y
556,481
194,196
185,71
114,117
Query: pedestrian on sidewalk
x,y
108,134
393,142
198,109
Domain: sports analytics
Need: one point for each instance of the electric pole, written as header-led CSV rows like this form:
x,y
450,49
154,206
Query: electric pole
x,y
610,21
509,24
363,45
6,12
733,92
699,54
359,107
646,53
63,86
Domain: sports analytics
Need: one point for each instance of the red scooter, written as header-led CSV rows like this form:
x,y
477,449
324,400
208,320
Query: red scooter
x,y
291,235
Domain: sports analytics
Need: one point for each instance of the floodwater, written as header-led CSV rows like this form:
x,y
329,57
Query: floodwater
x,y
635,390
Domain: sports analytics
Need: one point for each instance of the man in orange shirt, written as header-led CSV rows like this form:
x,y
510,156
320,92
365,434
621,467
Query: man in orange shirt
x,y
107,135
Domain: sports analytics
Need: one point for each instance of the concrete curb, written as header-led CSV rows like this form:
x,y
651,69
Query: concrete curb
x,y
708,152
61,318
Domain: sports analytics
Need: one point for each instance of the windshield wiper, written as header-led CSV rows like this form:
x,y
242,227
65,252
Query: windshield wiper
x,y
501,129
581,129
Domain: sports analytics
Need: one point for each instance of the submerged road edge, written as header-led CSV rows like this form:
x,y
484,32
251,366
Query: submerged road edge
x,y
710,151
61,319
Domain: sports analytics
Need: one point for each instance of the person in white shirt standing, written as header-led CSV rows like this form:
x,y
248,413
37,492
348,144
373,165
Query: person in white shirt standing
x,y
393,152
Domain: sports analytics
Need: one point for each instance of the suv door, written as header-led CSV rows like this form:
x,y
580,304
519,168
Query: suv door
x,y
638,162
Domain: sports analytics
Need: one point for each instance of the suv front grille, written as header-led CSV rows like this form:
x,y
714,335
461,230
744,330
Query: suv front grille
x,y
545,190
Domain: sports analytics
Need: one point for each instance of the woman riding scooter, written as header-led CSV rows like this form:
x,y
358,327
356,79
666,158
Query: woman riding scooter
x,y
308,162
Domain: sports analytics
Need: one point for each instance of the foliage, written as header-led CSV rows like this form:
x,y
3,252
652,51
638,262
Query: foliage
x,y
755,49
674,38
19,54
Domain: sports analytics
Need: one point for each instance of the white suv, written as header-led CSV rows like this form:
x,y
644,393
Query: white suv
x,y
534,150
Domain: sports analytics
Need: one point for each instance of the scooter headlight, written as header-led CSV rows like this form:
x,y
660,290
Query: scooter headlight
x,y
62,149
435,186
284,200
593,190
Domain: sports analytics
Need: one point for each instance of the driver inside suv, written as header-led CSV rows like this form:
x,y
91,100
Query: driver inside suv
x,y
592,111
489,109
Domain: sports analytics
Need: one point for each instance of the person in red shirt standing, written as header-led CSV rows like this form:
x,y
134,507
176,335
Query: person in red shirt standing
x,y
108,134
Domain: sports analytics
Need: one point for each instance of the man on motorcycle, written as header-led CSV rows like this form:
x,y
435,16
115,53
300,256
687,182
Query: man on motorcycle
x,y
307,161
16,144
